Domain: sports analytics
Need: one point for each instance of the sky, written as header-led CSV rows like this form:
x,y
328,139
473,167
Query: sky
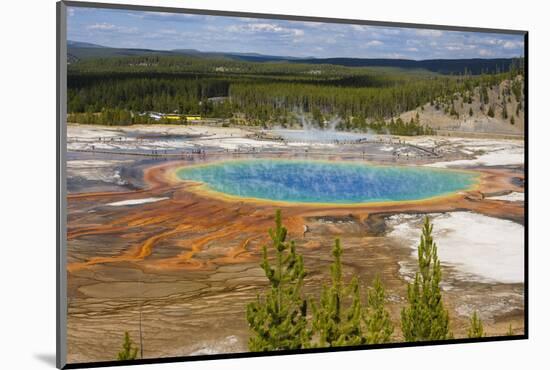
x,y
167,31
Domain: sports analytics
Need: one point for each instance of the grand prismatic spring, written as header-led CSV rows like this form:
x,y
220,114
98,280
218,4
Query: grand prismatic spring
x,y
299,181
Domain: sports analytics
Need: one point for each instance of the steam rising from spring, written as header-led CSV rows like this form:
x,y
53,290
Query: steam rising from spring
x,y
311,133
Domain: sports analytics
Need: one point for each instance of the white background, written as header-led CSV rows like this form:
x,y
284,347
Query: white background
x,y
27,194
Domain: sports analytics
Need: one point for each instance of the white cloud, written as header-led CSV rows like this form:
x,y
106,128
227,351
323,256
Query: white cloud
x,y
429,33
374,43
486,53
101,26
111,27
266,28
512,44
171,15
136,15
314,24
490,41
496,43
394,56
357,27
387,31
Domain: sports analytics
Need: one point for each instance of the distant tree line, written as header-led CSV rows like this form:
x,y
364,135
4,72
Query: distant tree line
x,y
262,94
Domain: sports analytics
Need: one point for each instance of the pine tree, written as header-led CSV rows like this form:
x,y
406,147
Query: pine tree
x,y
476,327
351,325
128,352
510,332
486,97
278,320
425,317
453,111
379,327
491,111
504,111
334,322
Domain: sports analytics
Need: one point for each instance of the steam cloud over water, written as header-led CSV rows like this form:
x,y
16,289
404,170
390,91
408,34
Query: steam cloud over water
x,y
311,133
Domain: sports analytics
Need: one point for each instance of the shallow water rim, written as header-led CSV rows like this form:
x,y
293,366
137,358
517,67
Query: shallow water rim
x,y
202,188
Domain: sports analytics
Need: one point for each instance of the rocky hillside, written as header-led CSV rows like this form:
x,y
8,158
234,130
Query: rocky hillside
x,y
495,110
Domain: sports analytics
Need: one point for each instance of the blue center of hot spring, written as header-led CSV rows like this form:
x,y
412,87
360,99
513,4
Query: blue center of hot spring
x,y
326,182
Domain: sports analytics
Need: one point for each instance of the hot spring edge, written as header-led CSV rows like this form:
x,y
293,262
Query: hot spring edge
x,y
326,182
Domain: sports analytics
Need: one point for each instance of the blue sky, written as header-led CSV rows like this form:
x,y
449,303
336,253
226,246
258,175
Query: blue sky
x,y
166,31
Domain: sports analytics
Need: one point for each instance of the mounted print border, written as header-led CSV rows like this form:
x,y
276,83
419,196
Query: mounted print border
x,y
177,164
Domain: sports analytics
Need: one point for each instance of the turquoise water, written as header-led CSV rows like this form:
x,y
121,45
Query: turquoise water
x,y
326,182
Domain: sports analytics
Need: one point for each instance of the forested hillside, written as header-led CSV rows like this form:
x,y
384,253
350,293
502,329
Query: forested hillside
x,y
495,108
261,94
